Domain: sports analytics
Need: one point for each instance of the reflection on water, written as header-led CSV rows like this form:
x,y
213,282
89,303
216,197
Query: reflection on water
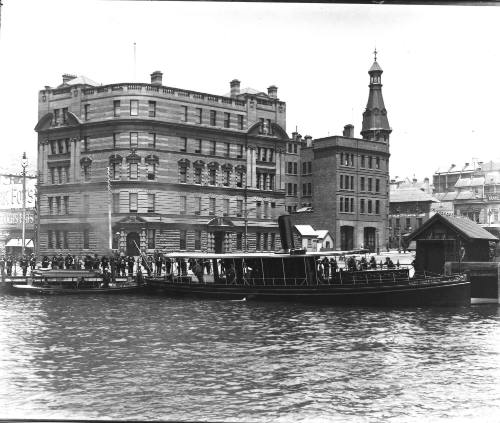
x,y
158,358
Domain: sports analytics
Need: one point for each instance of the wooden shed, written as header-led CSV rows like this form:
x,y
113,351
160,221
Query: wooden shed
x,y
450,238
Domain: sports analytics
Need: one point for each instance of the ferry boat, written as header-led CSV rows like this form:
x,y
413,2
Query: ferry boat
x,y
48,281
296,277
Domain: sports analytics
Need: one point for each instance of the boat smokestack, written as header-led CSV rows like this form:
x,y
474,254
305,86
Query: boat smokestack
x,y
286,233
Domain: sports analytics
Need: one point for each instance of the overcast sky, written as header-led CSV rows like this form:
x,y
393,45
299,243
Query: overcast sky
x,y
441,65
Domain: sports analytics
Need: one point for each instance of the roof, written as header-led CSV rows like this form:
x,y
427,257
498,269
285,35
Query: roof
x,y
408,195
375,67
82,80
470,182
251,91
306,230
467,195
463,225
322,233
446,196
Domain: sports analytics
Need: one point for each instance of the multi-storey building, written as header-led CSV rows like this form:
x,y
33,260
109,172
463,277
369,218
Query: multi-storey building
x,y
147,166
346,179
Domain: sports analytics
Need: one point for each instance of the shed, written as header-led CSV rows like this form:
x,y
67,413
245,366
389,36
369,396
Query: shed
x,y
450,238
325,240
308,237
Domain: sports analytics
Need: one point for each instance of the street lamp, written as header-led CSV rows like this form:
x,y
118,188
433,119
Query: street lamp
x,y
24,164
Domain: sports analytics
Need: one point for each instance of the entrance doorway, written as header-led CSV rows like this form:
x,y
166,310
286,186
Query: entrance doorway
x,y
219,242
133,241
346,238
369,240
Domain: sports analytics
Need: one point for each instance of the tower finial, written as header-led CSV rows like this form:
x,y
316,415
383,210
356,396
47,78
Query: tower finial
x,y
375,54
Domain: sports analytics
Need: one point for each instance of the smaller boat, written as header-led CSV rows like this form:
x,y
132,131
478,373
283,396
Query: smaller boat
x,y
44,281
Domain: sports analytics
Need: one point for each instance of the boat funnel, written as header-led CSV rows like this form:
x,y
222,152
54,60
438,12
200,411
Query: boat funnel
x,y
286,233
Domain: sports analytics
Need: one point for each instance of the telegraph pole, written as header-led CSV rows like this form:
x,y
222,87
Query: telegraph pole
x,y
110,235
24,163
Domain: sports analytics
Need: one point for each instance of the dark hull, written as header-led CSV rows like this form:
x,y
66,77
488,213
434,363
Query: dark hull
x,y
455,292
29,289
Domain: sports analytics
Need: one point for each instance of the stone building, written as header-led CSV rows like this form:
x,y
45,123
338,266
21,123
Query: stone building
x,y
174,169
346,179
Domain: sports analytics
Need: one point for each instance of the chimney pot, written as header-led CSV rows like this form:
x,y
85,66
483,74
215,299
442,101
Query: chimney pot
x,y
157,78
308,140
348,131
235,87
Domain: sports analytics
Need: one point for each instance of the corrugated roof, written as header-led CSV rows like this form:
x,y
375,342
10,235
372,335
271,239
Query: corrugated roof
x,y
466,195
306,230
407,195
463,225
82,80
470,182
446,196
322,233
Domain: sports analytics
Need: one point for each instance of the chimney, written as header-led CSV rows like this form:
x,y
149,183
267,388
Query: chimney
x,y
235,87
272,91
67,77
286,232
308,140
348,131
156,78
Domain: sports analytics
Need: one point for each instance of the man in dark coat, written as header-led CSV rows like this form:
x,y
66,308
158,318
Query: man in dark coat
x,y
68,261
158,262
8,265
130,263
23,262
32,261
45,262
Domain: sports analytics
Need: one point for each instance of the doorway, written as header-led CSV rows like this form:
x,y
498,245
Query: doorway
x,y
346,237
133,242
219,242
369,239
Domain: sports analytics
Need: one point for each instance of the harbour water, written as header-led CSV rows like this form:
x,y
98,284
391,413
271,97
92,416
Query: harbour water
x,y
151,358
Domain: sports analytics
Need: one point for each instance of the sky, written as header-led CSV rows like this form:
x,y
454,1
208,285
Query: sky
x,y
440,82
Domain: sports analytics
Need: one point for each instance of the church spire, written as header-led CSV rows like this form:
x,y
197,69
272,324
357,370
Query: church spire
x,y
375,123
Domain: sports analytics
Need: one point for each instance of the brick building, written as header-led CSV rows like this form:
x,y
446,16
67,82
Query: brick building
x,y
187,170
346,179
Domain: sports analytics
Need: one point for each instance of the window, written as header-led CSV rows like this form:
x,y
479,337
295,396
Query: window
x,y
289,189
60,146
239,241
213,147
225,206
151,235
370,210
182,204
58,205
290,167
197,205
86,143
60,178
151,203
295,149
66,204
240,121
259,180
53,147
211,206
362,205
257,241
263,154
133,170
66,145
309,188
304,168
227,177
304,189
184,113
58,239
272,247
266,209
116,108
86,111
65,114
377,206
239,179
197,240
197,175
50,203
86,204
295,190
212,176
239,208
115,140
265,238
65,239
132,200
86,172
182,174
363,164
370,162
116,202
271,155
56,116
261,126
134,139
152,108
258,211
362,183
184,143
227,149
377,162
295,171
198,146
213,117
227,119
115,170
271,182
269,127
86,239
151,171
134,107
50,239
182,239
408,222
377,185
199,113
419,221
152,140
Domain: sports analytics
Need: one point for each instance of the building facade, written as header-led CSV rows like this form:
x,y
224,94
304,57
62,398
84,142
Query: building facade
x,y
346,179
146,166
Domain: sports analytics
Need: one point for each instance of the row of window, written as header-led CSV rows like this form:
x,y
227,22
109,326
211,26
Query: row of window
x,y
58,205
307,168
347,182
201,176
366,206
263,209
59,175
60,146
292,148
60,116
307,189
365,162
291,168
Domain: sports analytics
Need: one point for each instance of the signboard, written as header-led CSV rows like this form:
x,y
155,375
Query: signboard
x,y
493,197
14,219
11,193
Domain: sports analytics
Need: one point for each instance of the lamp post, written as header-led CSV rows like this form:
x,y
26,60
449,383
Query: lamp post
x,y
24,164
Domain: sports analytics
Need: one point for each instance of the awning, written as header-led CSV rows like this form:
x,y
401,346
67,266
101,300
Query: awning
x,y
18,242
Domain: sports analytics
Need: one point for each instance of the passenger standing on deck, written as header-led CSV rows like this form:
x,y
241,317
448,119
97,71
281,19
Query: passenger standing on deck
x,y
32,261
373,263
150,264
183,267
2,267
45,262
158,262
333,265
9,265
54,262
23,262
95,262
168,265
326,268
130,264
60,261
207,266
68,261
104,262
